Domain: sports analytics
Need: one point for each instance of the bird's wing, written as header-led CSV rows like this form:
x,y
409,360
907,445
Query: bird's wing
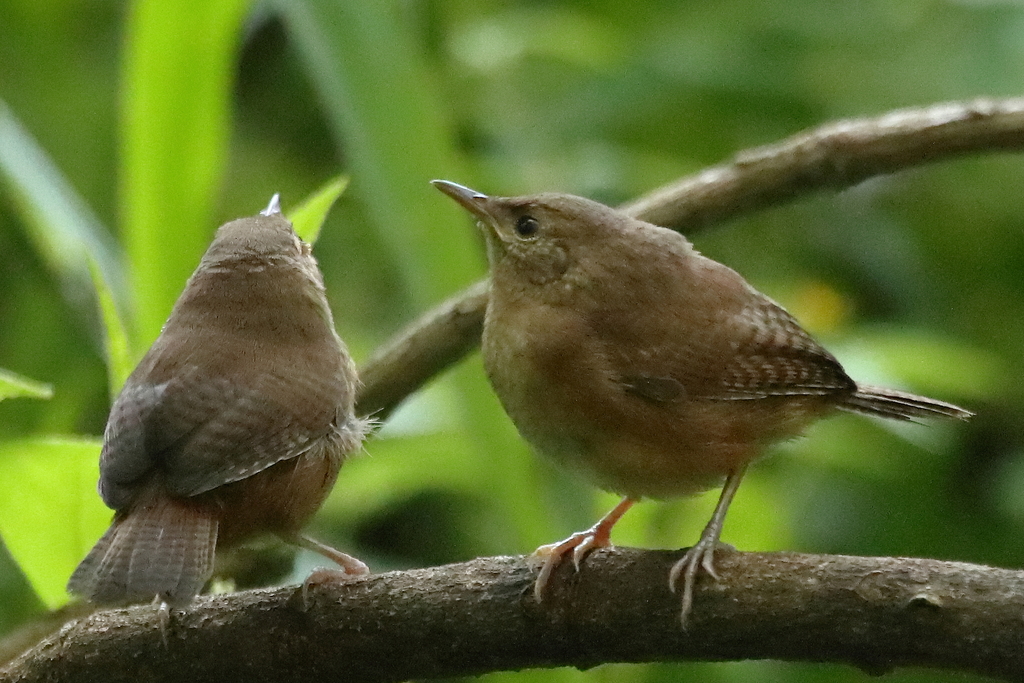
x,y
709,345
202,431
779,358
230,428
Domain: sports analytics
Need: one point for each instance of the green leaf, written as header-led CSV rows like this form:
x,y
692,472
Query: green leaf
x,y
179,64
14,386
309,216
115,335
50,514
65,231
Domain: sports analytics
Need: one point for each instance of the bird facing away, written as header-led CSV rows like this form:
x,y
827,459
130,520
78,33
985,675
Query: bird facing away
x,y
623,354
234,424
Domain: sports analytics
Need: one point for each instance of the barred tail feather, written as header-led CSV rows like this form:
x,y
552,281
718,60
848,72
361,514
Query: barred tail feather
x,y
161,547
900,405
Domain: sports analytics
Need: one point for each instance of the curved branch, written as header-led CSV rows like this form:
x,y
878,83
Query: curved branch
x,y
480,616
436,341
836,155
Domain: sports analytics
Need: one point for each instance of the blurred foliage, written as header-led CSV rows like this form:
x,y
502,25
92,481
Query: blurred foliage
x,y
129,131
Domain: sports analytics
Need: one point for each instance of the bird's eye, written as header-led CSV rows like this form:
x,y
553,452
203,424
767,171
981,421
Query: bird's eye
x,y
527,226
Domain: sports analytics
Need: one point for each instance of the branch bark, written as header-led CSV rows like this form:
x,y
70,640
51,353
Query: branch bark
x,y
836,156
464,619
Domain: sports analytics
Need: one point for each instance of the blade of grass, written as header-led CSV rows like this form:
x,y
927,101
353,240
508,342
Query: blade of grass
x,y
115,335
309,216
14,386
378,100
64,229
177,83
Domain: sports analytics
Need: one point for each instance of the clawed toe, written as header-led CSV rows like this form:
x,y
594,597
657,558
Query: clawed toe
x,y
163,617
580,544
322,575
686,569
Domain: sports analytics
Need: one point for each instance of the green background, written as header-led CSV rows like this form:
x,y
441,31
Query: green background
x,y
129,131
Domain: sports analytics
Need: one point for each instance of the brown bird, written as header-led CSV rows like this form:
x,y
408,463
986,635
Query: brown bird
x,y
234,424
622,353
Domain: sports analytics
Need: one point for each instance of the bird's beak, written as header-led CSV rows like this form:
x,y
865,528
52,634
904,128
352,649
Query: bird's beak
x,y
274,207
471,200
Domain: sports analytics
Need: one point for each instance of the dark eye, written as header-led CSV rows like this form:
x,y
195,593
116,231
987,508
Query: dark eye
x,y
527,226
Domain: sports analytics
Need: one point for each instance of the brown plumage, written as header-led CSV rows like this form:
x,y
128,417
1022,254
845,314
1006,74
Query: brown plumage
x,y
622,353
234,424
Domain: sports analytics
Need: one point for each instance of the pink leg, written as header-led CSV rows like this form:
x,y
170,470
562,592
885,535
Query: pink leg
x,y
580,543
350,566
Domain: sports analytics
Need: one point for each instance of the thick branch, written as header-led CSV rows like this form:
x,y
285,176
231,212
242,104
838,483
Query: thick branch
x,y
836,155
465,619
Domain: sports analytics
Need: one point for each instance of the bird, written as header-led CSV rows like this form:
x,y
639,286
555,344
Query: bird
x,y
234,424
626,356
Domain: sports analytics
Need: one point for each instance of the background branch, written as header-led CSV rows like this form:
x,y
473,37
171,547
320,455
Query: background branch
x,y
464,619
836,155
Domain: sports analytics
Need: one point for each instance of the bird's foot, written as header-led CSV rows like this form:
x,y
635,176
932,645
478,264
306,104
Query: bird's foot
x,y
322,575
350,567
163,618
700,557
580,544
702,554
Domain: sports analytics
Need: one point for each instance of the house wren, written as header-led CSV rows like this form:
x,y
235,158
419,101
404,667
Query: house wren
x,y
622,353
234,424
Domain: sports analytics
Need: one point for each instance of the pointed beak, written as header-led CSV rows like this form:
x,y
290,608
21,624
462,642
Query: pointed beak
x,y
471,200
274,207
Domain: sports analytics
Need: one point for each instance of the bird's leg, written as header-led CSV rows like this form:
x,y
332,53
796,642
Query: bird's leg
x,y
580,543
702,554
163,617
350,566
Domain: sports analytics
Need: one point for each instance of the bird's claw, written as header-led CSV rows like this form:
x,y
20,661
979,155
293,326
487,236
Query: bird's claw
x,y
580,552
700,557
163,618
324,575
580,543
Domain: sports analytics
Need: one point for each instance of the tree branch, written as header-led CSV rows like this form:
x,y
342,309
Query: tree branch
x,y
465,619
433,343
836,155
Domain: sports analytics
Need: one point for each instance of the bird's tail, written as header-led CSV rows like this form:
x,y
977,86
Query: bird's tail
x,y
901,405
160,547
